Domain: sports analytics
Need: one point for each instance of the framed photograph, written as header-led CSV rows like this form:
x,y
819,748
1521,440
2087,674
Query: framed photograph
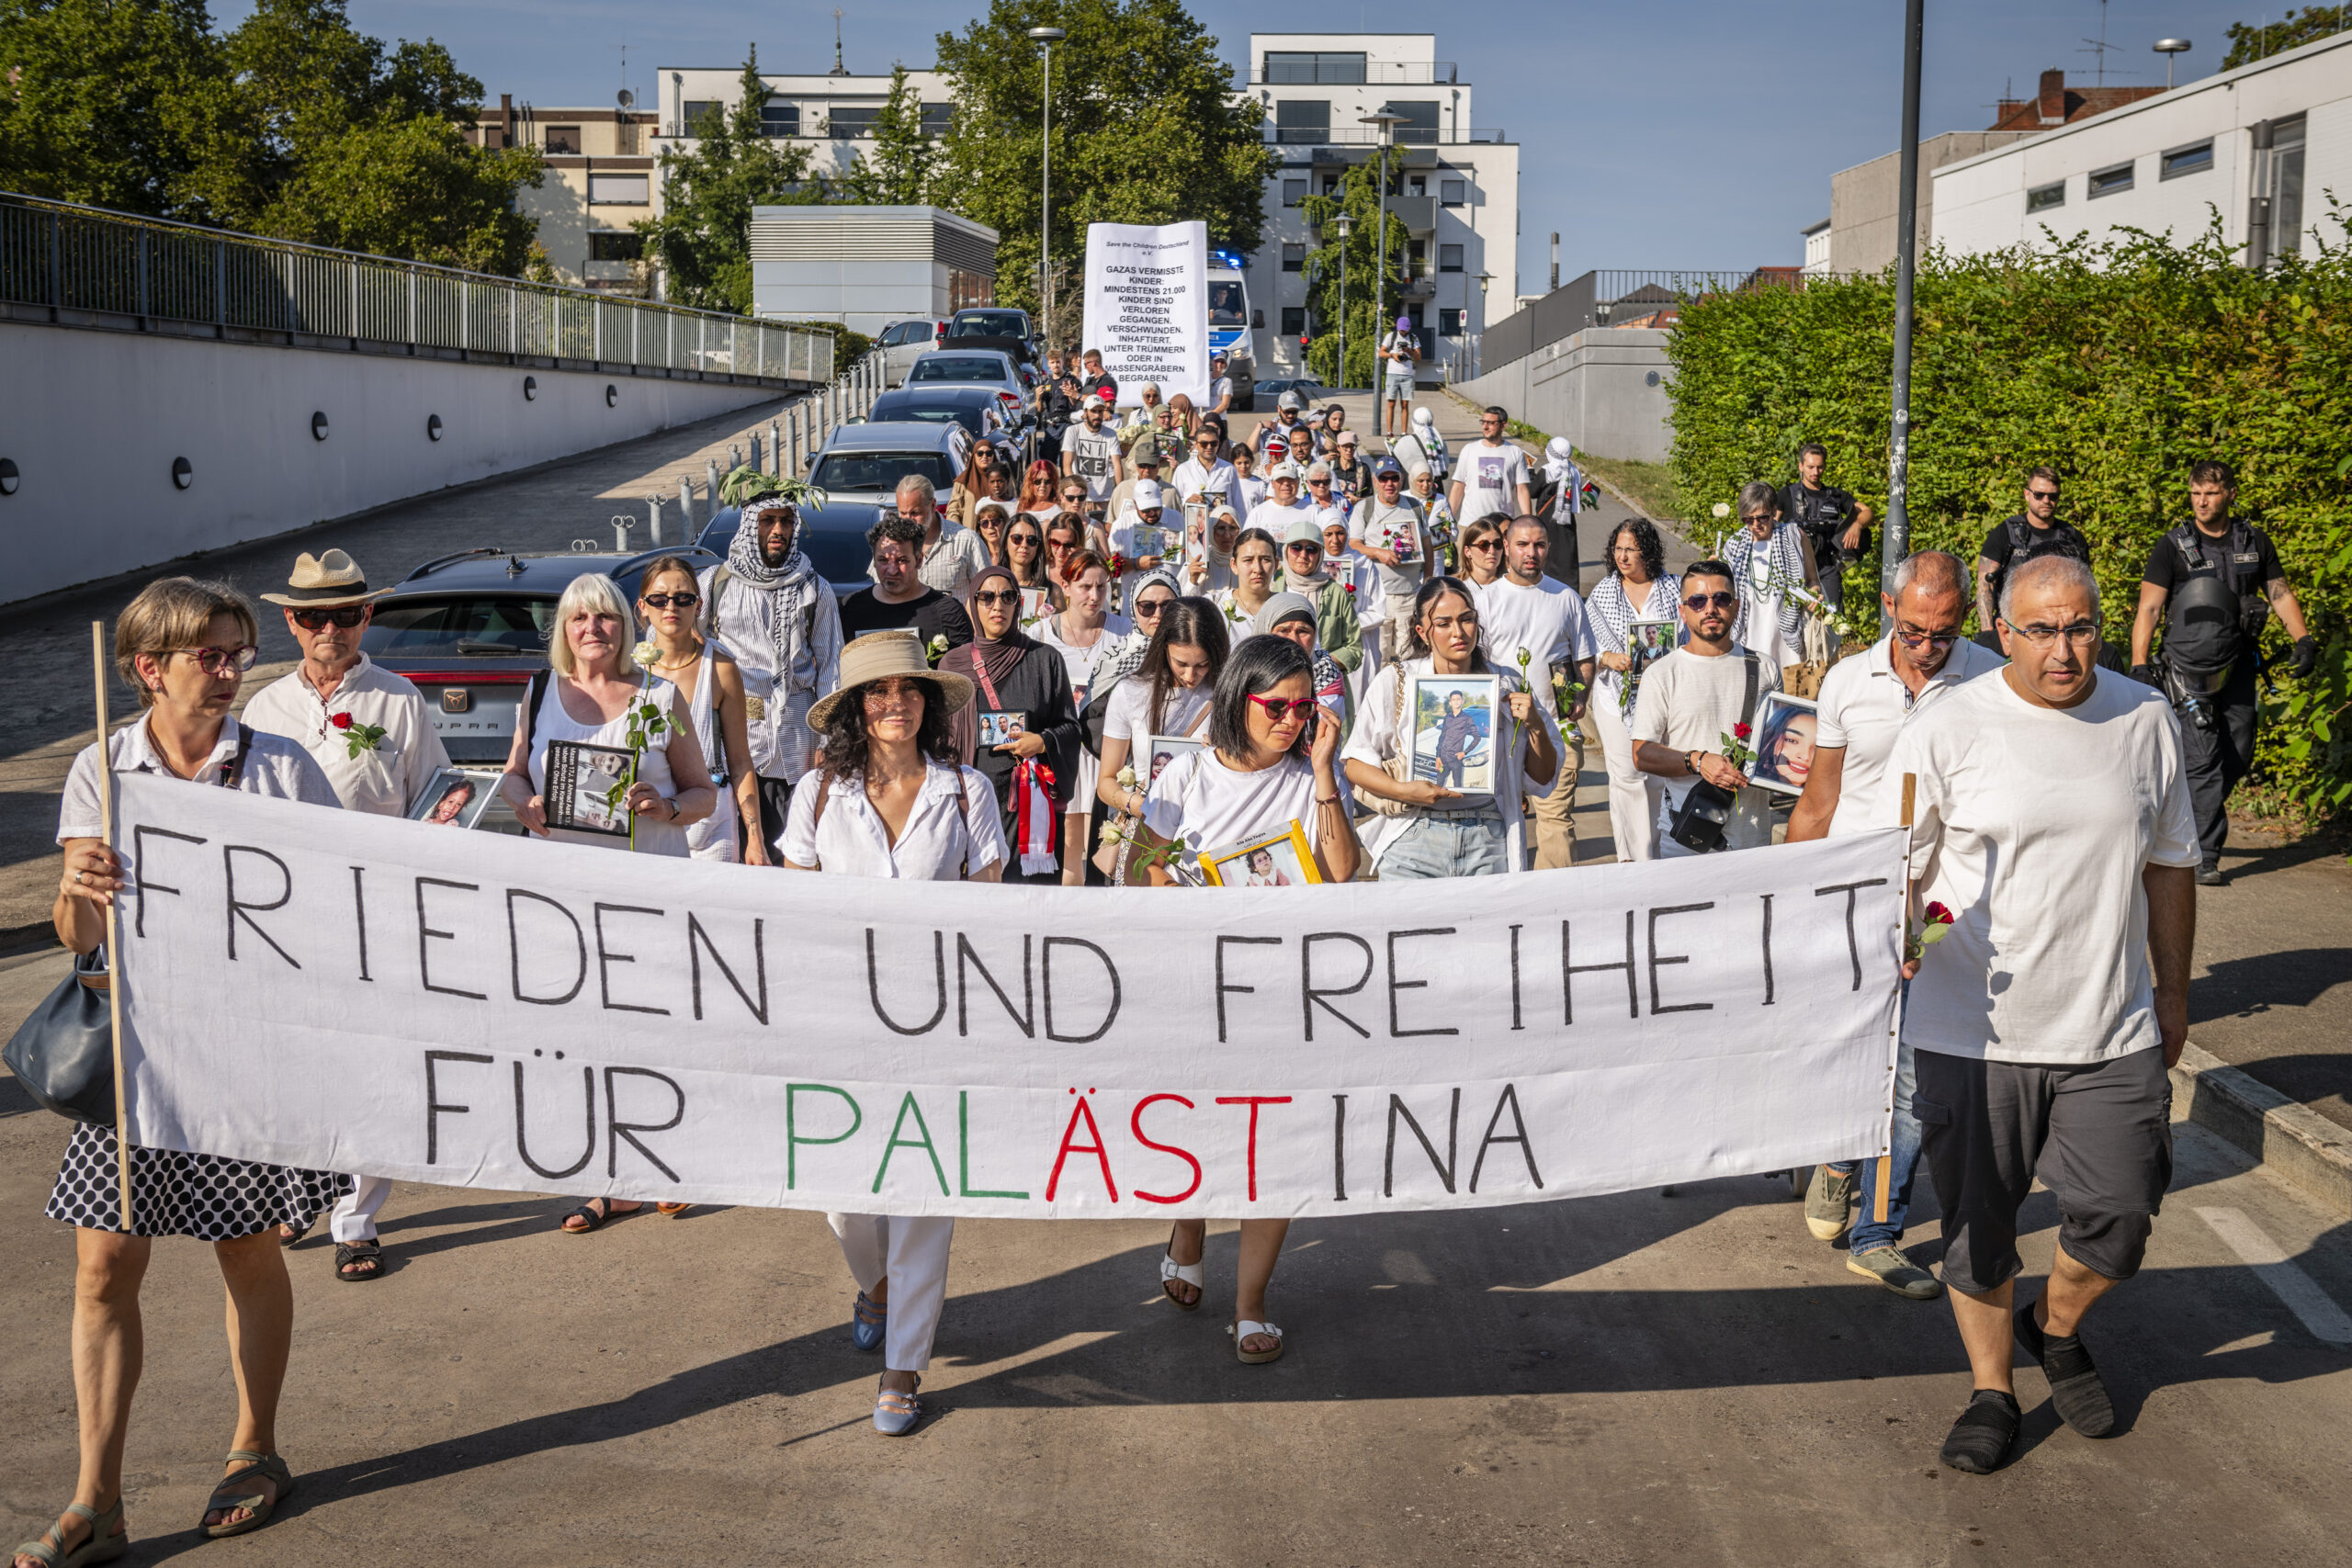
x,y
1152,754
1037,604
455,797
999,725
1453,729
580,785
1646,640
1277,860
1784,740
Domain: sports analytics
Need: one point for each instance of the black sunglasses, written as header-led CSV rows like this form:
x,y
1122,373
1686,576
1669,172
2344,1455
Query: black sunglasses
x,y
344,615
1701,601
682,601
985,597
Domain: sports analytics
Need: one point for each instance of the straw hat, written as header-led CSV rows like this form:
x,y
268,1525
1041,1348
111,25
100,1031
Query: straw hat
x,y
878,656
324,582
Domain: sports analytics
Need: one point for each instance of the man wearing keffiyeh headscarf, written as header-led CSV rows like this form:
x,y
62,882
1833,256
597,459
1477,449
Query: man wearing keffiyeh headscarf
x,y
783,626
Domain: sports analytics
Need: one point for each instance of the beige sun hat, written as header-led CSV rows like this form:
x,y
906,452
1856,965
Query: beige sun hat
x,y
880,656
325,580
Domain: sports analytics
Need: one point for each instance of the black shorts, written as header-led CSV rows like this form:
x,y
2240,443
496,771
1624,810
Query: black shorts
x,y
2099,1137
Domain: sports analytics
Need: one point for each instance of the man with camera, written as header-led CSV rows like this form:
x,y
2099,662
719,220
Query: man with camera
x,y
1835,524
1696,705
2211,581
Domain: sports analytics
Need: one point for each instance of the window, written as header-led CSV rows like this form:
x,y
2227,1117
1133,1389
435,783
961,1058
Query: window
x,y
1454,193
1303,121
1296,66
2108,181
779,119
1416,253
1293,320
1293,192
2042,199
1449,322
563,140
2287,187
695,111
938,119
2193,159
1294,257
615,247
1419,128
619,190
856,124
1449,258
1330,185
1417,184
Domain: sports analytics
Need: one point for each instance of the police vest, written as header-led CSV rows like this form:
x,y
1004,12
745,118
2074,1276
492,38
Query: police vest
x,y
2236,561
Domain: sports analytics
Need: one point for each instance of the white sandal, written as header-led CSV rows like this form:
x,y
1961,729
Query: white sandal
x,y
1246,1330
1193,1274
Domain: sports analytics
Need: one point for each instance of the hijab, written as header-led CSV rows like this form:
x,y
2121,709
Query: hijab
x,y
1129,657
790,586
997,659
1329,680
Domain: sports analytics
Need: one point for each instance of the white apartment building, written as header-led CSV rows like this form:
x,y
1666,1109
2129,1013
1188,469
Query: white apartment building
x,y
2262,145
600,179
1455,184
829,113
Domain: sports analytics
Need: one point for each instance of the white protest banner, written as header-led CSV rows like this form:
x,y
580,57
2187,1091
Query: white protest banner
x,y
1148,305
337,991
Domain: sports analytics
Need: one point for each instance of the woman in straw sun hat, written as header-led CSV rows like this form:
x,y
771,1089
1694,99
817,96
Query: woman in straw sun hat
x,y
889,799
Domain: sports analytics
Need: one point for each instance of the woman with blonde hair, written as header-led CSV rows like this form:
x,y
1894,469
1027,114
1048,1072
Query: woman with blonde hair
x,y
183,646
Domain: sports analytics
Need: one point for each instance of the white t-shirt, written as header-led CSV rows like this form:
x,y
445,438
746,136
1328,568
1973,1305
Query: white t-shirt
x,y
1094,457
2032,826
1490,476
1865,706
1689,701
1207,804
1276,519
1250,493
1362,573
1396,350
1548,620
853,840
1127,716
1083,663
1220,390
1397,528
1375,739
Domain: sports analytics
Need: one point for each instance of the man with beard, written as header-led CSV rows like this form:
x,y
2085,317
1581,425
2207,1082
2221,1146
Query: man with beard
x,y
780,620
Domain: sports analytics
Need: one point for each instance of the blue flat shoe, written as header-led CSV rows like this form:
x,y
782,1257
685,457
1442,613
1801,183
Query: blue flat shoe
x,y
866,1322
897,1414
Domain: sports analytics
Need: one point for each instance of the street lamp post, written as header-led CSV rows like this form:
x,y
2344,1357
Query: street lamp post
x,y
1895,540
1478,342
1386,124
1347,225
2168,47
1045,38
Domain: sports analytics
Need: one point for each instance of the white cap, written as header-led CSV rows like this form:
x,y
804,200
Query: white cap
x,y
1282,471
1146,494
1095,400
1346,438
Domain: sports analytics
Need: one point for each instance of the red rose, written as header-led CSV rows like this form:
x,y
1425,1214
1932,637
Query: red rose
x,y
1740,731
341,720
1939,915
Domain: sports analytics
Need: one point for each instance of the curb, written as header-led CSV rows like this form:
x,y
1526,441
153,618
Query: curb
x,y
2300,1147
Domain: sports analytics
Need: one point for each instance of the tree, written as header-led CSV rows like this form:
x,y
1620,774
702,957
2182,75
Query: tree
x,y
2249,43
1367,311
895,169
102,99
1147,127
703,239
411,186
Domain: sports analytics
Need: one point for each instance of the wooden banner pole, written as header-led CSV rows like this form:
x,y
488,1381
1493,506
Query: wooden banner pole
x,y
114,925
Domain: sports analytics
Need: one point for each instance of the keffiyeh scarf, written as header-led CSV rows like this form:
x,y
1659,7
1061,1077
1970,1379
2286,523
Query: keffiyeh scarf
x,y
791,586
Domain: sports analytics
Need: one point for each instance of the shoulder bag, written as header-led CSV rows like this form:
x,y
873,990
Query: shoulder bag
x,y
1399,767
1698,822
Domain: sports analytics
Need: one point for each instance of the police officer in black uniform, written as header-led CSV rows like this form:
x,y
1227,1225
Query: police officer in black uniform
x,y
1837,524
2211,581
2008,542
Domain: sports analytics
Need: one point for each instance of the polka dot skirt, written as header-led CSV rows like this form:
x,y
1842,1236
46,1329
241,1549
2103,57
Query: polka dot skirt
x,y
172,1193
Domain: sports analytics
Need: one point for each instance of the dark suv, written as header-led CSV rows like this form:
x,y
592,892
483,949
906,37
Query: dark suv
x,y
471,629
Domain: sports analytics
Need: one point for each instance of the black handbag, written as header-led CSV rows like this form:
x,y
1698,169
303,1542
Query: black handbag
x,y
1697,823
64,1054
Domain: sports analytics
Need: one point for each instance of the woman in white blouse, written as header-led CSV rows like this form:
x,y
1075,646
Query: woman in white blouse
x,y
888,800
1639,588
1272,760
1088,636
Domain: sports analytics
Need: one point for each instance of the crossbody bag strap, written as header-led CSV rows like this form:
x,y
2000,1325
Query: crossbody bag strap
x,y
1748,702
233,771
963,816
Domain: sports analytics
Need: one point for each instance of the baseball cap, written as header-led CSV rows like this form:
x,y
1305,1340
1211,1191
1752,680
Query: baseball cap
x,y
1282,471
1095,400
1347,438
1145,450
1383,467
1302,532
1403,323
1148,494
1217,358
1276,447
1290,402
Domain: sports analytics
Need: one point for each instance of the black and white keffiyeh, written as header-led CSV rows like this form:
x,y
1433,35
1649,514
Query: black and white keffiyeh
x,y
792,585
1783,568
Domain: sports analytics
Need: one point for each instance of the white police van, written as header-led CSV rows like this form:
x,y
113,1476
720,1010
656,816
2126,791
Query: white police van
x,y
1231,325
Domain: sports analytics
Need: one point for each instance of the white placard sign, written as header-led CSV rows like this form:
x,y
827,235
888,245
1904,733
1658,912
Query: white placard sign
x,y
331,990
1148,305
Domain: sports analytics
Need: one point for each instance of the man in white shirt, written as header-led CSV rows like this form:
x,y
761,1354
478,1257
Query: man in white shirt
x,y
371,736
1220,387
1697,702
779,618
1526,611
1398,349
1864,704
1281,506
1387,529
2055,826
1492,473
1204,477
952,553
1090,454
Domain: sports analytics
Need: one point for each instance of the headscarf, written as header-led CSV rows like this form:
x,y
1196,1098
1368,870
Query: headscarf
x,y
1220,561
999,659
1280,607
1329,680
1559,460
791,585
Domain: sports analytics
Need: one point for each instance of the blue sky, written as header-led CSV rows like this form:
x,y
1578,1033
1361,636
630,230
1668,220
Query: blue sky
x,y
1694,134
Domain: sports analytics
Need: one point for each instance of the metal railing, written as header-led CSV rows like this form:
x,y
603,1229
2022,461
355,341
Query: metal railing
x,y
1365,136
75,260
1613,297
1344,71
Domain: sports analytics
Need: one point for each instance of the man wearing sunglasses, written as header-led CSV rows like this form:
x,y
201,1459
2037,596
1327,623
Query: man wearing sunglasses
x,y
1865,703
1692,704
2007,541
371,735
1206,477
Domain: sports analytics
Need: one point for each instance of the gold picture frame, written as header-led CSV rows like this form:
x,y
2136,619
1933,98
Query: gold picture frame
x,y
1288,863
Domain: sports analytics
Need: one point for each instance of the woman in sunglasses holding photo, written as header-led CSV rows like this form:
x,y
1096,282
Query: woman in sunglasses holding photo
x,y
706,678
1272,759
1025,558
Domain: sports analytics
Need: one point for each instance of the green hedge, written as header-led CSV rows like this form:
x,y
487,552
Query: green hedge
x,y
2118,364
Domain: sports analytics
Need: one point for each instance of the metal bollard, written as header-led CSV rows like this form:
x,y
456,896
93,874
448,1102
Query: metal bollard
x,y
776,448
734,458
620,533
685,506
653,505
710,487
757,466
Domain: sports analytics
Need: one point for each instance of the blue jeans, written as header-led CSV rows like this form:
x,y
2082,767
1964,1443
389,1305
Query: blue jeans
x,y
1903,1160
1468,845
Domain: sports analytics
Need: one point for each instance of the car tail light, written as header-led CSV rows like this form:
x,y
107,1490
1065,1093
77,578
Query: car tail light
x,y
940,336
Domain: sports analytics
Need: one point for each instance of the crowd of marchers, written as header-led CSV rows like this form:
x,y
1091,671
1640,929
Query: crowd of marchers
x,y
1182,642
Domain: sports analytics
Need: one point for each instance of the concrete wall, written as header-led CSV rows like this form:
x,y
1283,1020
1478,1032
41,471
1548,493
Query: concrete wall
x,y
865,297
93,421
1604,388
1864,200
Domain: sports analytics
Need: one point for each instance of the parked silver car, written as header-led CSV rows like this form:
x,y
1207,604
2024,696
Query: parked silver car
x,y
990,368
903,342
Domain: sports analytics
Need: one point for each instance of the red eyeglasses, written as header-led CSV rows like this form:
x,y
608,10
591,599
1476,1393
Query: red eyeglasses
x,y
1300,709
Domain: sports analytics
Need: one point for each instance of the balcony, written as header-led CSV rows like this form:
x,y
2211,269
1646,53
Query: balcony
x,y
1364,136
1345,72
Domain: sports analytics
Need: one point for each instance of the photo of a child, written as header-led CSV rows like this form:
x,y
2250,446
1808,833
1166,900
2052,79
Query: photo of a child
x,y
1453,729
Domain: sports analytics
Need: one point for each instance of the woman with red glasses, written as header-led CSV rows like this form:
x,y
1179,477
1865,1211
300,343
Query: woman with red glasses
x,y
1273,760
